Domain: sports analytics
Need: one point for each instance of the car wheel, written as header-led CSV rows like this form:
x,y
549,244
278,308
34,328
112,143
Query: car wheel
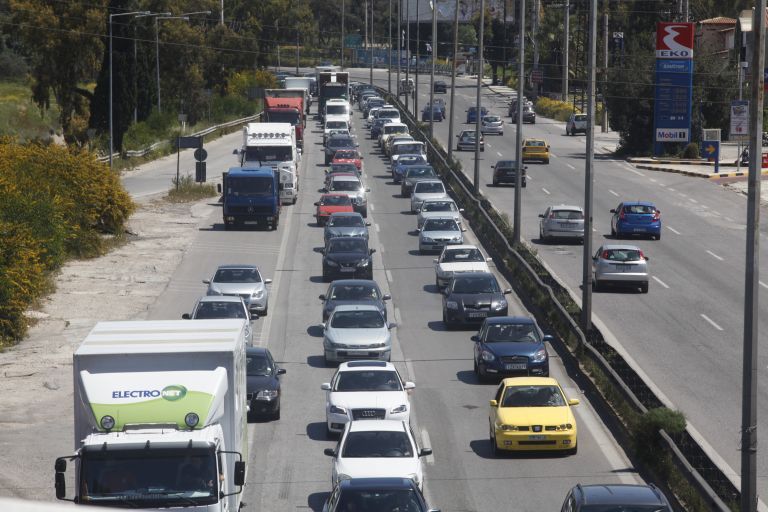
x,y
495,182
326,278
276,414
523,184
573,451
447,324
657,236
644,287
613,232
494,447
546,161
475,368
227,226
596,285
263,313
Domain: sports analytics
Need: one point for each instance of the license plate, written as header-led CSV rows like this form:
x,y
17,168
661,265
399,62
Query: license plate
x,y
563,224
537,438
477,314
638,230
251,222
515,366
347,269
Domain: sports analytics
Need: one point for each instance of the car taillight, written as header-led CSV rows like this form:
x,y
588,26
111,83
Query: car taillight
x,y
552,215
604,255
621,214
642,256
656,215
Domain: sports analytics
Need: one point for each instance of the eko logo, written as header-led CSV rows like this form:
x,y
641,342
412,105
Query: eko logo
x,y
674,40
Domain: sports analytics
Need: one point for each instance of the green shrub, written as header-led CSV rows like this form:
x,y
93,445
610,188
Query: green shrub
x,y
186,189
691,151
155,128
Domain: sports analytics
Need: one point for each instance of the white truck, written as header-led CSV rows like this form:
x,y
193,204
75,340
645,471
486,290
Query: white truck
x,y
160,411
274,145
301,82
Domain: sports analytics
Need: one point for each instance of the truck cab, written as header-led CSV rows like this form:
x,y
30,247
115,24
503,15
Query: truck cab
x,y
251,196
274,145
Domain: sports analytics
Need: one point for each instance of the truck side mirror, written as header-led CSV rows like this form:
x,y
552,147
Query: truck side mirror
x,y
218,188
186,316
61,486
240,473
236,152
60,466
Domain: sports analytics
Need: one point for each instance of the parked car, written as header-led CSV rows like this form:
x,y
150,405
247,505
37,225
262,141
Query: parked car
x,y
438,208
472,114
620,265
562,221
427,189
529,115
577,123
505,171
439,232
347,257
492,124
629,497
414,174
356,332
404,163
217,306
343,292
353,187
458,259
467,141
440,86
535,149
510,346
471,298
262,383
434,112
532,414
241,281
636,218
345,224
390,494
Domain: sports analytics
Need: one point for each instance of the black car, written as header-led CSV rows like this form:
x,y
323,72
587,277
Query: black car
x,y
347,257
472,297
630,497
357,494
262,383
435,113
336,142
414,173
353,291
505,171
440,86
509,346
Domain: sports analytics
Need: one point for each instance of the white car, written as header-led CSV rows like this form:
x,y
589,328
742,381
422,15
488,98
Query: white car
x,y
425,190
438,208
365,390
391,129
334,123
456,259
356,332
377,449
492,124
241,281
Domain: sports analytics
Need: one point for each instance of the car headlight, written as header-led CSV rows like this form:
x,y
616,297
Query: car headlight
x,y
377,345
487,356
426,239
266,394
399,409
451,304
498,306
539,356
508,428
258,294
337,410
331,263
364,263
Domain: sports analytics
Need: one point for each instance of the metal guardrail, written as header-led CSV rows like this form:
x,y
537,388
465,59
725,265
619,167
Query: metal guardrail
x,y
629,384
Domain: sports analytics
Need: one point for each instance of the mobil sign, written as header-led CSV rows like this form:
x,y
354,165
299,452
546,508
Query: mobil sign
x,y
674,40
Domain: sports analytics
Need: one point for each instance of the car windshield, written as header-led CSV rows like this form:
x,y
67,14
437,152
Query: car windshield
x,y
346,221
416,172
566,214
368,381
468,135
341,142
336,201
402,500
622,255
623,508
511,332
440,225
257,365
377,444
475,285
395,129
335,109
388,114
349,244
639,209
353,292
366,319
462,255
346,153
429,188
532,396
345,185
335,124
343,167
580,118
207,310
438,206
535,143
237,275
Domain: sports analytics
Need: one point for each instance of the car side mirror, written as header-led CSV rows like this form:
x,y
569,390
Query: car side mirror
x,y
409,385
319,249
267,281
206,281
330,452
435,260
236,152
317,204
541,215
367,190
186,316
321,297
461,210
323,325
647,258
574,401
474,337
493,403
613,210
386,296
425,451
281,371
488,260
218,188
391,325
463,230
368,224
325,386
371,251
549,337
507,291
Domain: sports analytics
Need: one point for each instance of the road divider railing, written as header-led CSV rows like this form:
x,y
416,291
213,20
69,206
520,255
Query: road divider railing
x,y
661,443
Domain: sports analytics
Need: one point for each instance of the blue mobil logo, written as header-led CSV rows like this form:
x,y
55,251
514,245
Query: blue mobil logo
x,y
170,393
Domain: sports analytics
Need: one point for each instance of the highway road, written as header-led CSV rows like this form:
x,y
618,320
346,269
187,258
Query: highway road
x,y
287,469
686,334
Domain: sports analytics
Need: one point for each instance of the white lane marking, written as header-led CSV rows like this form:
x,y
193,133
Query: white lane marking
x,y
570,166
529,178
714,255
682,195
545,190
662,185
692,200
662,283
429,459
671,189
378,229
612,192
553,155
711,322
763,284
371,207
499,153
488,145
728,219
389,276
630,169
673,230
653,180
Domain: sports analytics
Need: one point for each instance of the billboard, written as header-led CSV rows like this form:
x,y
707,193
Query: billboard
x,y
446,9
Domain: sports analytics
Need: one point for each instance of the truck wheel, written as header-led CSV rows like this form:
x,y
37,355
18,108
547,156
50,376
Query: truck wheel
x,y
226,226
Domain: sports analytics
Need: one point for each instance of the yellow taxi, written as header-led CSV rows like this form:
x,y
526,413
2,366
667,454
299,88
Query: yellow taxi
x,y
532,413
535,149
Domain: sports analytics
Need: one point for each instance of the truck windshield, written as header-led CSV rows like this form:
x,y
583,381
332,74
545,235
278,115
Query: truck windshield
x,y
335,110
143,478
284,117
269,154
250,187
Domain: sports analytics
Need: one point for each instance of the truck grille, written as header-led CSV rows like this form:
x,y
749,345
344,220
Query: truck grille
x,y
251,209
369,414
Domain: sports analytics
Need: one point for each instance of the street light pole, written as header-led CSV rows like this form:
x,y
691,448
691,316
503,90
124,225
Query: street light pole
x,y
389,52
371,43
519,135
478,114
399,46
453,81
566,43
416,84
432,75
407,51
343,9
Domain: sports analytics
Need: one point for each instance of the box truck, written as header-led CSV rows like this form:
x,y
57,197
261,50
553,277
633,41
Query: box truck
x,y
274,145
160,416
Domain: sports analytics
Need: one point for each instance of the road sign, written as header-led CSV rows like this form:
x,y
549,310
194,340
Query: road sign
x,y
710,149
200,172
739,120
201,154
190,142
537,76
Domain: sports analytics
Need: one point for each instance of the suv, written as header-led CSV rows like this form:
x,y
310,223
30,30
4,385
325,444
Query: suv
x,y
577,123
584,498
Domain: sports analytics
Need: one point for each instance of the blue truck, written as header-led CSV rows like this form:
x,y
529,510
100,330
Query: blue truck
x,y
251,196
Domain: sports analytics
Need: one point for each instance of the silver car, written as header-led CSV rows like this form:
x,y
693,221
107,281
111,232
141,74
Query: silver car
x,y
244,281
438,232
210,307
345,224
426,190
562,221
354,188
438,208
356,332
577,123
620,265
492,124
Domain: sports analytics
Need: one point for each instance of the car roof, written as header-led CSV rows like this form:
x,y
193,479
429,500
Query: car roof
x,y
439,200
377,483
333,194
530,381
512,320
440,217
463,246
638,203
531,139
232,265
344,177
377,425
346,214
355,307
357,282
367,365
221,298
566,207
430,181
609,247
624,494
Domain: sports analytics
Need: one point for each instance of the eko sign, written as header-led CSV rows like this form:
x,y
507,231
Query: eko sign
x,y
674,83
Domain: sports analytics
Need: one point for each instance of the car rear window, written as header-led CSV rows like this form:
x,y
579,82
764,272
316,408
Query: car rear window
x,y
639,208
536,143
580,117
623,255
429,188
566,214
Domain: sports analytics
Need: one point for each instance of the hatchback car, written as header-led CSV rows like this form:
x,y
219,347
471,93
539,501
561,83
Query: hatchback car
x,y
356,332
577,123
471,298
348,156
438,208
458,259
472,114
414,174
440,86
510,346
344,292
331,203
403,163
439,232
562,221
620,265
377,448
262,383
467,141
241,281
390,494
434,113
636,218
535,149
347,257
623,497
210,307
492,124
529,115
532,414
505,171
341,224
365,390
425,190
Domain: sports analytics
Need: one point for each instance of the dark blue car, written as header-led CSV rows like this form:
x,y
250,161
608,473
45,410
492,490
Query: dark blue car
x,y
402,163
510,346
636,218
472,114
376,126
360,494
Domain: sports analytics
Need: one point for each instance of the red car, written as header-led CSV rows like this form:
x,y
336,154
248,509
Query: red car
x,y
348,156
331,203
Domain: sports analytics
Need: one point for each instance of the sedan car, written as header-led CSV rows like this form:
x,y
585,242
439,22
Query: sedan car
x,y
329,204
510,346
434,113
636,218
439,232
529,115
459,259
241,281
390,494
492,124
630,497
532,414
425,190
440,86
467,141
472,114
336,143
472,297
505,171
349,156
347,257
262,383
377,448
353,187
344,224
365,390
438,208
535,149
562,221
414,174
343,292
356,332
620,265
404,162
216,306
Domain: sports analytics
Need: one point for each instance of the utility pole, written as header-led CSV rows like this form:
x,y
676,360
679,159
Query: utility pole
x,y
416,86
685,11
586,294
605,70
298,55
407,51
389,52
399,46
433,5
453,81
752,268
478,114
343,9
371,45
534,34
566,44
518,211
222,13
